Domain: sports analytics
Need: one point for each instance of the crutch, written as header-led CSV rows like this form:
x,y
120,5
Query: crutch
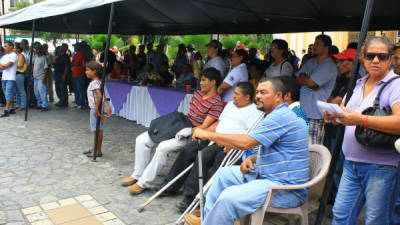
x,y
195,202
158,193
229,160
200,160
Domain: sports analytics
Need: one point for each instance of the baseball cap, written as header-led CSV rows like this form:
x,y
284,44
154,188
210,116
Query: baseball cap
x,y
37,45
215,44
346,54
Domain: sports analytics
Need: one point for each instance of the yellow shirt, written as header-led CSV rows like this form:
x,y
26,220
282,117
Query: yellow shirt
x,y
23,69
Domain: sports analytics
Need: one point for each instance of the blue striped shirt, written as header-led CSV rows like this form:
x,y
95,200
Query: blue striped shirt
x,y
283,156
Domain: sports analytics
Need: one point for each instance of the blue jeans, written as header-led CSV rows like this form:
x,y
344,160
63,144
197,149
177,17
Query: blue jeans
x,y
372,184
21,95
8,89
41,93
79,90
231,197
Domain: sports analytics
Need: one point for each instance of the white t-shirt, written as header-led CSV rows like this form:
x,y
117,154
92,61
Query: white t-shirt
x,y
235,76
10,72
218,63
285,69
91,93
234,120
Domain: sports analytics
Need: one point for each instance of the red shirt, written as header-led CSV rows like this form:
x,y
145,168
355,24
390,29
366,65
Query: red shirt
x,y
115,74
201,108
78,71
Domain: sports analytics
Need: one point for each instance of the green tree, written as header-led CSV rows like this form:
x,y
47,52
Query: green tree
x,y
96,41
54,37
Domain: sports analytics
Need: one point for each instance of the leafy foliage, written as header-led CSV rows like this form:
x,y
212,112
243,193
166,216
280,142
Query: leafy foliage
x,y
96,41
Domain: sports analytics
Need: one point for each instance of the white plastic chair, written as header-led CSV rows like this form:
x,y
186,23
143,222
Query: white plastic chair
x,y
320,159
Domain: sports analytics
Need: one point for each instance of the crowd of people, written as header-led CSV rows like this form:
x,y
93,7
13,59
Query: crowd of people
x,y
233,88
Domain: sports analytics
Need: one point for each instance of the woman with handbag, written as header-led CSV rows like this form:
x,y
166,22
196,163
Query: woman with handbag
x,y
372,123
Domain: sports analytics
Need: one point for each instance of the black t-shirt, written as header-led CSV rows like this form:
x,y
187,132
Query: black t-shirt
x,y
142,59
111,60
167,77
62,61
340,90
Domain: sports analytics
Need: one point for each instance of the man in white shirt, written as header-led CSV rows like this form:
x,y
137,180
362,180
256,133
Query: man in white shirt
x,y
237,74
8,64
238,116
214,50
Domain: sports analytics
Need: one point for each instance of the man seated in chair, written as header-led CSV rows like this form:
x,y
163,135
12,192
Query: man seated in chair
x,y
238,116
283,159
205,108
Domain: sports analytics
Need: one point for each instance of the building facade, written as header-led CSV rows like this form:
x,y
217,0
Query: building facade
x,y
300,41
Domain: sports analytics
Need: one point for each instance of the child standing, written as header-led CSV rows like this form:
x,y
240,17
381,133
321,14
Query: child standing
x,y
94,72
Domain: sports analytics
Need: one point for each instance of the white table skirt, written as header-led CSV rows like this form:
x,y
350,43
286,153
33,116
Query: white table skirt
x,y
139,107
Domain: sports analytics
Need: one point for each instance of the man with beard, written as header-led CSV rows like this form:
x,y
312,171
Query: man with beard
x,y
283,159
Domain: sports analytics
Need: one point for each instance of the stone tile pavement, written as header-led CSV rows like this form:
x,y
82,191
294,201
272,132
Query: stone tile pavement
x,y
41,162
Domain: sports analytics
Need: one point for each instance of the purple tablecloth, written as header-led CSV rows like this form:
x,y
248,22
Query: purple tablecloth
x,y
118,92
166,100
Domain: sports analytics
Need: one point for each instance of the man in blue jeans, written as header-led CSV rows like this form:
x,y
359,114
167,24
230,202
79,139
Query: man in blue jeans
x,y
8,64
39,75
283,159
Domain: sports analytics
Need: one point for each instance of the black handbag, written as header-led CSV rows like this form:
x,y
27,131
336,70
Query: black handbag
x,y
373,138
165,127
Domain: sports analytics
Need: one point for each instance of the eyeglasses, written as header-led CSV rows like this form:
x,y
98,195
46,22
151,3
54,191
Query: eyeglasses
x,y
396,57
381,56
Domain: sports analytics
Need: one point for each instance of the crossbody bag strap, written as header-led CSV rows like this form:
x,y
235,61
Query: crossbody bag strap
x,y
378,96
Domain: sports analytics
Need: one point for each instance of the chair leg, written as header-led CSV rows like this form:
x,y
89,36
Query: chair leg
x,y
304,214
245,220
257,218
291,218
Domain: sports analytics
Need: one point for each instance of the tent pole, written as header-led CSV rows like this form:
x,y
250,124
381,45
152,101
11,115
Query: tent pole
x,y
338,145
29,78
110,22
4,29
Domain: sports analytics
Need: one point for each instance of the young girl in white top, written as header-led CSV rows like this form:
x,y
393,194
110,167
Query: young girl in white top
x,y
94,72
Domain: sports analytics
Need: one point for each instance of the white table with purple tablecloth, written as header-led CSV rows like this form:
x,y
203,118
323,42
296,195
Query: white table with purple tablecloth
x,y
143,104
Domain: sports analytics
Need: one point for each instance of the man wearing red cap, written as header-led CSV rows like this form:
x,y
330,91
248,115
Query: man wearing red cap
x,y
344,63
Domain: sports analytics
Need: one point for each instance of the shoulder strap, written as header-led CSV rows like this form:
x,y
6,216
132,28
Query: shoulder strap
x,y
284,61
376,101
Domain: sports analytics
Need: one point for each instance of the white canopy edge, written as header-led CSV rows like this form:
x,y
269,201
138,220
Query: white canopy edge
x,y
50,8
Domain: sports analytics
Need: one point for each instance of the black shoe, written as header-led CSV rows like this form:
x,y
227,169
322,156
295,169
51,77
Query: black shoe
x,y
38,107
45,109
5,114
12,111
61,105
184,204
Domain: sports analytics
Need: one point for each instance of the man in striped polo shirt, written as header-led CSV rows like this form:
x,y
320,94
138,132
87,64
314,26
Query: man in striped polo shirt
x,y
205,108
283,159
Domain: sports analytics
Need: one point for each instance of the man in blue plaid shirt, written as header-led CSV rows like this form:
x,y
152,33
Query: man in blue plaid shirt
x,y
283,159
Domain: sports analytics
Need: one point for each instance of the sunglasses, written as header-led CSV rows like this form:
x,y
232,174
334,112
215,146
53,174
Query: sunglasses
x,y
381,56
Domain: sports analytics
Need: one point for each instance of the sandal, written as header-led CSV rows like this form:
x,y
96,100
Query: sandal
x,y
91,155
88,152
